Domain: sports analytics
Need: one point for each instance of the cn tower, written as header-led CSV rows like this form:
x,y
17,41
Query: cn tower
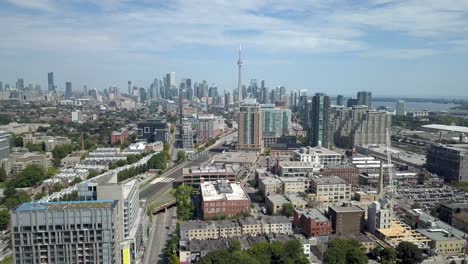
x,y
239,82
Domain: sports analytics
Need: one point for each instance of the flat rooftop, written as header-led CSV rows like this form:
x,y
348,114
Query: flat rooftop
x,y
211,191
270,180
297,164
293,179
208,170
275,219
460,129
236,157
346,209
326,180
312,213
44,206
277,199
438,234
127,187
316,151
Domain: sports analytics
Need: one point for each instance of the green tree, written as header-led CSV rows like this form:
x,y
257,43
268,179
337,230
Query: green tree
x,y
76,181
181,157
288,209
409,253
32,175
132,158
17,140
4,219
93,173
35,147
185,205
345,251
38,196
235,245
388,255
5,119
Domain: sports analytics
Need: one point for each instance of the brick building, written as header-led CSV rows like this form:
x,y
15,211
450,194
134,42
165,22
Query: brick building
x,y
119,137
312,222
346,219
223,198
348,173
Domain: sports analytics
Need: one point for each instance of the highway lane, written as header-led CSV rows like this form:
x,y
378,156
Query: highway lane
x,y
163,226
153,189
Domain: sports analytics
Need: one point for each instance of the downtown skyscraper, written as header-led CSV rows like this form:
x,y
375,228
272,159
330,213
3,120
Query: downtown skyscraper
x,y
50,81
250,133
319,128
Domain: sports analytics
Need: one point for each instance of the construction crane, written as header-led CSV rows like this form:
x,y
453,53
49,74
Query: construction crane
x,y
391,189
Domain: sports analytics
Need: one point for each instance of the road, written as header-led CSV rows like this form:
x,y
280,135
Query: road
x,y
153,189
160,234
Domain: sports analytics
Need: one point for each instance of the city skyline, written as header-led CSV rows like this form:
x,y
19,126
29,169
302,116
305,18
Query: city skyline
x,y
386,47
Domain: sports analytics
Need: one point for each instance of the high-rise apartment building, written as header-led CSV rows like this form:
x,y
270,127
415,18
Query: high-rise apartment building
x,y
319,133
66,232
364,98
250,133
20,84
276,122
68,90
131,228
400,108
50,82
360,126
340,100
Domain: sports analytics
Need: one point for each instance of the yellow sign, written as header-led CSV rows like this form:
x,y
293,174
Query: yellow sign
x,y
126,256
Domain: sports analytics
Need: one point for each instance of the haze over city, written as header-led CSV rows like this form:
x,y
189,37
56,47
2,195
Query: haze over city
x,y
392,48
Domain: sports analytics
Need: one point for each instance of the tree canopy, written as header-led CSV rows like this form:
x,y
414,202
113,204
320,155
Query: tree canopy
x,y
32,175
409,253
288,209
185,205
290,252
345,251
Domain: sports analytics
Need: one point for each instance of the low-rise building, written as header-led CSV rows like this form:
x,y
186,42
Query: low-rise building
x,y
449,161
331,190
449,210
119,137
318,155
250,226
460,221
200,230
297,169
223,198
346,219
49,141
270,185
312,222
295,184
274,203
197,175
4,144
241,158
296,200
19,161
346,172
276,225
443,242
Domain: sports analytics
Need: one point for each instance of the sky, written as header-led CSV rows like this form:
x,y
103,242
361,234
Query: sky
x,y
408,48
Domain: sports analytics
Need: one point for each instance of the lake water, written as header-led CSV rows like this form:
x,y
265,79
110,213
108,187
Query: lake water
x,y
415,106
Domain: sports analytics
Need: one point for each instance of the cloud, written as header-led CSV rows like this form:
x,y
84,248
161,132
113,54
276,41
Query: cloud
x,y
400,54
44,5
125,28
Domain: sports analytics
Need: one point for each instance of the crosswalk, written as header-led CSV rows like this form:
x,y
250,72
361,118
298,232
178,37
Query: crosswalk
x,y
162,179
